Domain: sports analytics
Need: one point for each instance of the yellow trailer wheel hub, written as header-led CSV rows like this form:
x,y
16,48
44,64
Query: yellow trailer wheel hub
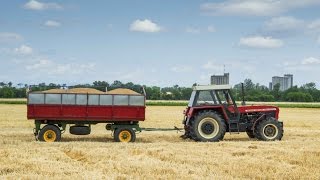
x,y
125,136
49,136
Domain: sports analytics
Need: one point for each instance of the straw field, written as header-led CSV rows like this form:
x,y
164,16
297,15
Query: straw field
x,y
158,155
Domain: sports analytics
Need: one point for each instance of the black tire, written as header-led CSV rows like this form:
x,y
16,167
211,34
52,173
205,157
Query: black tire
x,y
191,130
250,134
80,130
186,134
50,133
208,126
269,130
188,129
124,135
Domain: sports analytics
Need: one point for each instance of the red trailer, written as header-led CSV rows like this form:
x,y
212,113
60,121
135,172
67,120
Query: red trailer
x,y
52,112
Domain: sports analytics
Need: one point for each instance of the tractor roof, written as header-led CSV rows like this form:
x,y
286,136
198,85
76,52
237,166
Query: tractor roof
x,y
211,87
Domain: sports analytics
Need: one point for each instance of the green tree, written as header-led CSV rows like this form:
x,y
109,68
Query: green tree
x,y
312,90
276,92
299,97
6,92
101,85
248,85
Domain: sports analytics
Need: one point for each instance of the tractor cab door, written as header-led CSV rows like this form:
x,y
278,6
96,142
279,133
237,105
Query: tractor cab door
x,y
227,101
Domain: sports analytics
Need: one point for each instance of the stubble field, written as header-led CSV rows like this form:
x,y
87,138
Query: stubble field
x,y
157,155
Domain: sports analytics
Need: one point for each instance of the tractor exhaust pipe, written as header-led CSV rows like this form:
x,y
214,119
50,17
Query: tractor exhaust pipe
x,y
243,103
143,91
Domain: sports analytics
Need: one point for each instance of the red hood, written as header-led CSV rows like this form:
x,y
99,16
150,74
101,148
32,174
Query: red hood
x,y
258,108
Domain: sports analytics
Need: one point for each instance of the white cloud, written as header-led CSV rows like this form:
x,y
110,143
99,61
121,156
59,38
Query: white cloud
x,y
247,7
72,68
212,66
181,68
283,23
314,26
310,61
51,23
318,40
40,64
23,50
109,26
9,37
38,6
260,42
196,30
254,7
52,68
205,77
131,76
308,65
211,28
192,30
285,26
145,26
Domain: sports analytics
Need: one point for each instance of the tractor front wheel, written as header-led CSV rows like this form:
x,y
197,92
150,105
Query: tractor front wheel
x,y
124,135
208,126
50,133
269,130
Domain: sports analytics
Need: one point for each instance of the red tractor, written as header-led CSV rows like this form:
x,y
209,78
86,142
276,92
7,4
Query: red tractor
x,y
212,111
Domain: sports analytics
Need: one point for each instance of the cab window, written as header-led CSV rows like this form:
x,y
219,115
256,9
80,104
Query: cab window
x,y
206,98
224,97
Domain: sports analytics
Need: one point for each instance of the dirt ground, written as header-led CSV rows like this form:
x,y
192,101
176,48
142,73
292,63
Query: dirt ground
x,y
159,155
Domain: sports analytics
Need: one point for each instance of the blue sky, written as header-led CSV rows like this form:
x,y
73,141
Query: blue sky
x,y
159,43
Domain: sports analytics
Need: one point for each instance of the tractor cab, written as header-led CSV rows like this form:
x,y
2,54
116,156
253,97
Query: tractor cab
x,y
214,96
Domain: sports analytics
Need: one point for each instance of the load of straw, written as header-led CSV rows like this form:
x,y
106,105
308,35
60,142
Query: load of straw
x,y
123,91
92,91
75,90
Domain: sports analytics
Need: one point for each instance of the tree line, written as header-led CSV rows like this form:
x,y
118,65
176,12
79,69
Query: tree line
x,y
253,91
256,92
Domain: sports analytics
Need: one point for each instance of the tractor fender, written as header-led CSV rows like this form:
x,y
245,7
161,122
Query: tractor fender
x,y
256,121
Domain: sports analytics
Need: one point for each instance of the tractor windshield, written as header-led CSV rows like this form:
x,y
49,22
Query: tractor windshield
x,y
201,98
204,98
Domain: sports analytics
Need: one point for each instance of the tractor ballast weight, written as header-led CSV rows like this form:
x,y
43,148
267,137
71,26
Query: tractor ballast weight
x,y
212,111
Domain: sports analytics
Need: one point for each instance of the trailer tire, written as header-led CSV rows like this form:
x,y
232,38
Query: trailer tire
x,y
49,133
269,130
208,126
124,135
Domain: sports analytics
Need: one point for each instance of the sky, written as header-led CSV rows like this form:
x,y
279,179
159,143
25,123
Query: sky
x,y
161,43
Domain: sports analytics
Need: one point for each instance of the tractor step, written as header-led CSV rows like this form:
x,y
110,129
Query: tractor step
x,y
234,126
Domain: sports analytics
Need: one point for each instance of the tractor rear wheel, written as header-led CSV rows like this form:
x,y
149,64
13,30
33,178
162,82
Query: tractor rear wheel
x,y
188,129
49,133
124,135
250,134
269,130
208,126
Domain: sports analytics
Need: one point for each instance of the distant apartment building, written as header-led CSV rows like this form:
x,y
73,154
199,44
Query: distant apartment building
x,y
285,82
220,79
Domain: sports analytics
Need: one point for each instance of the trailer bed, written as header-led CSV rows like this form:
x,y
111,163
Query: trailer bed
x,y
85,107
